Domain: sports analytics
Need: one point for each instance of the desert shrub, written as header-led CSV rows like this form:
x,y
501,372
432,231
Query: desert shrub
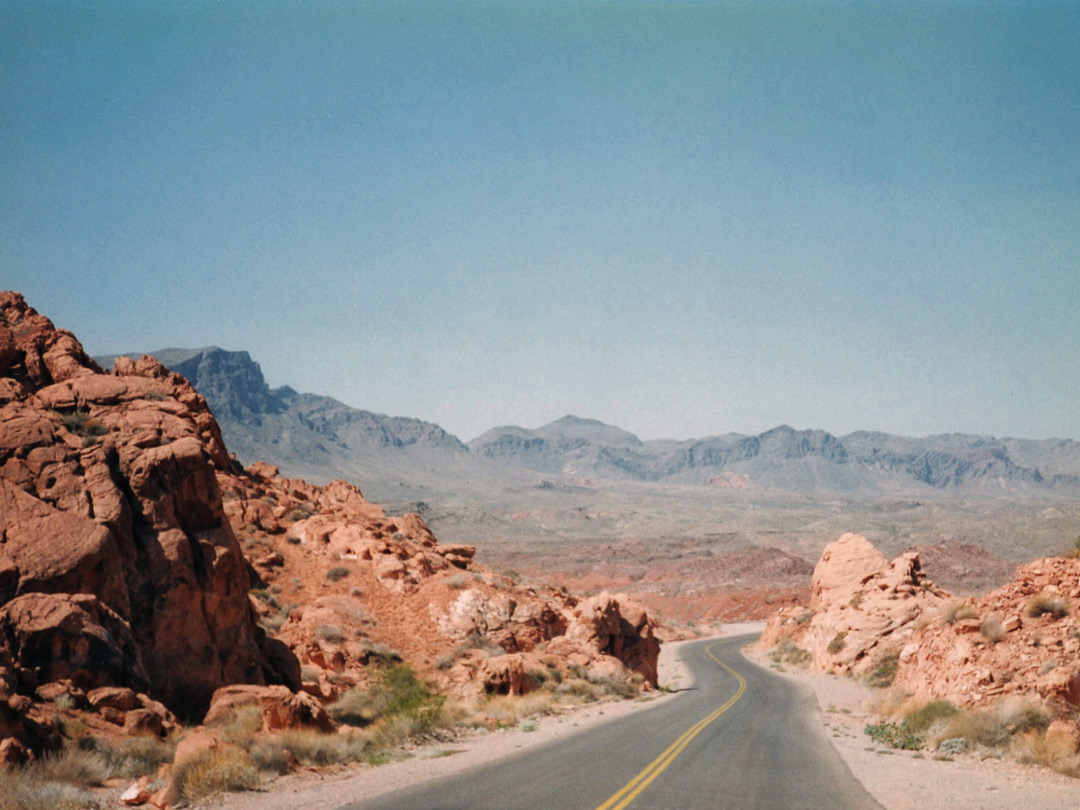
x,y
398,729
310,748
478,641
1047,604
23,790
309,673
538,675
507,710
995,727
82,424
74,766
621,684
837,644
242,723
407,694
894,735
130,757
1055,751
357,707
884,672
804,617
271,624
215,770
398,698
787,652
957,610
992,630
922,718
377,649
330,633
1073,550
301,512
457,581
952,746
445,661
579,688
337,572
270,757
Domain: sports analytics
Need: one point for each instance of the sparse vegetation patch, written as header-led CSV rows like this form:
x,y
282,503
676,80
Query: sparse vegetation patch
x,y
1047,604
884,672
958,610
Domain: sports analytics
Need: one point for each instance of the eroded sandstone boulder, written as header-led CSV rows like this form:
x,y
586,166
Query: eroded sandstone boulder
x,y
861,607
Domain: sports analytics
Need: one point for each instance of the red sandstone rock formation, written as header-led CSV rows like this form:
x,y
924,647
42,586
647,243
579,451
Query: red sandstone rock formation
x,y
130,540
1022,639
1005,649
860,603
117,565
344,585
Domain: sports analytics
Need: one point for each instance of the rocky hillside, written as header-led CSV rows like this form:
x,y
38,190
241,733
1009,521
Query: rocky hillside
x,y
315,437
144,573
320,438
788,459
886,620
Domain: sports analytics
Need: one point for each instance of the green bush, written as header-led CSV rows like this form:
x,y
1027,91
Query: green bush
x,y
787,652
895,735
398,698
884,672
925,716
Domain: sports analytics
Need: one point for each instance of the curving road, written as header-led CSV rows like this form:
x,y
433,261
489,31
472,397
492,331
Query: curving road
x,y
741,739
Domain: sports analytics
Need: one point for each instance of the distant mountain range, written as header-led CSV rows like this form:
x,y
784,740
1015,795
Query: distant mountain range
x,y
392,458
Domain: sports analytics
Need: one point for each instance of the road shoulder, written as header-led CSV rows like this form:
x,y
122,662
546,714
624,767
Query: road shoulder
x,y
905,780
321,789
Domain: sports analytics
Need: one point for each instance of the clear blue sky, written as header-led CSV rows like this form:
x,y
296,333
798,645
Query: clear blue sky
x,y
681,218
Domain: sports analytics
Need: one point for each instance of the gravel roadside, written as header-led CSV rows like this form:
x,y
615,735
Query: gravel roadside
x,y
312,789
898,780
909,780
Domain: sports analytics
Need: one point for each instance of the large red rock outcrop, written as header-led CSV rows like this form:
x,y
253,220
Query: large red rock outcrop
x,y
113,540
346,586
860,604
137,556
1021,640
1007,646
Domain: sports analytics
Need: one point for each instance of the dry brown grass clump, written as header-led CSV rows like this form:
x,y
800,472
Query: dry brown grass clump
x,y
243,723
1056,751
1047,604
992,629
311,748
508,711
25,790
993,728
215,770
957,610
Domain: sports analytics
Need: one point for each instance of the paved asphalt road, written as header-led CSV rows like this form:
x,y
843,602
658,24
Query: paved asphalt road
x,y
741,739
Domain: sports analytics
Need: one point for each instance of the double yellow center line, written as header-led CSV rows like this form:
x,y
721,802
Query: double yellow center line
x,y
634,787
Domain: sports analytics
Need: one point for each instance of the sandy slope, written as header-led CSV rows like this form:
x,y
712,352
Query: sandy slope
x,y
897,780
